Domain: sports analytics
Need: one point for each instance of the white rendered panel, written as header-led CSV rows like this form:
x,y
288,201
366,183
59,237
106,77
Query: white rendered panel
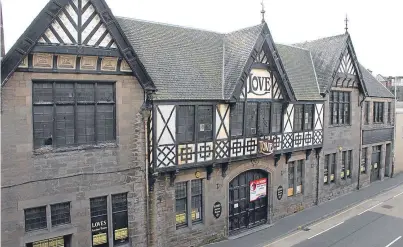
x,y
318,116
106,40
289,118
68,25
221,109
51,37
101,30
61,33
72,13
88,12
162,133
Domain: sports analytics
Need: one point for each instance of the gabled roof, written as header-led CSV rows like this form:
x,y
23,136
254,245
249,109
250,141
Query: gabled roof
x,y
50,14
373,86
238,47
325,54
301,73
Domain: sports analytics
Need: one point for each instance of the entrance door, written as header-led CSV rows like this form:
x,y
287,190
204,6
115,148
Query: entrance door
x,y
375,163
244,214
387,159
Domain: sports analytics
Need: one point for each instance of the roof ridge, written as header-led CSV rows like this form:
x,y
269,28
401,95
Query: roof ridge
x,y
320,39
168,24
245,28
293,46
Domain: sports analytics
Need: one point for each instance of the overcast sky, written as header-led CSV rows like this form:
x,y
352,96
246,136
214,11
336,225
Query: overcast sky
x,y
376,27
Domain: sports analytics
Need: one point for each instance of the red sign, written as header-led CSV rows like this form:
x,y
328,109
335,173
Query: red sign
x,y
258,189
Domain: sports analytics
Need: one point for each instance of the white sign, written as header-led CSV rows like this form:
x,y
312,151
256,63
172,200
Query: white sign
x,y
258,189
259,84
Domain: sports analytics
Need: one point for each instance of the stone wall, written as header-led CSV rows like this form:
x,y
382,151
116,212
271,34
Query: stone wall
x,y
336,140
162,200
399,141
30,179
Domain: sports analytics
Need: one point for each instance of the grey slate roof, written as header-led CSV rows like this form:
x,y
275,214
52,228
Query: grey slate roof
x,y
238,47
301,73
374,87
183,63
325,54
193,64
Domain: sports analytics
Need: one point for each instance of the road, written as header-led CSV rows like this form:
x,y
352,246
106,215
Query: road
x,y
376,222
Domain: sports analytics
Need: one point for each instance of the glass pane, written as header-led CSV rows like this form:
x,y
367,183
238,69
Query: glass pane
x,y
98,206
196,187
43,92
64,125
251,119
85,92
276,120
85,124
186,125
64,92
43,125
35,218
105,123
264,118
119,202
105,92
60,213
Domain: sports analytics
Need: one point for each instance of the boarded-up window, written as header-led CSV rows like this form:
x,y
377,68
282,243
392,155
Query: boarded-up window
x,y
186,123
264,118
251,119
205,121
298,113
73,113
277,114
236,119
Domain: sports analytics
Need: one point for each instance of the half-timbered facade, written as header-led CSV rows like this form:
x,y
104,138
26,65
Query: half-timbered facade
x,y
230,110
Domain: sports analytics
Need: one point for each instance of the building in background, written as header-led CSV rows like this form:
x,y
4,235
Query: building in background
x,y
390,82
399,138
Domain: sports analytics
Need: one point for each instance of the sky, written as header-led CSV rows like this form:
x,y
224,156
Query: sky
x,y
376,27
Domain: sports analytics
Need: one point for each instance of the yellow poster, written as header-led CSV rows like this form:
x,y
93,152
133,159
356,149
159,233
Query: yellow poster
x,y
332,177
54,242
342,174
362,168
121,234
99,239
290,191
348,173
180,218
325,179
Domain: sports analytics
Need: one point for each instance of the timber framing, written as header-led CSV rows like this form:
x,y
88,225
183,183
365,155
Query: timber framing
x,y
349,48
28,41
265,42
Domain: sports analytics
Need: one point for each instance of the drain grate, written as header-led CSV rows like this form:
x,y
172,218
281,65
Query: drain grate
x,y
387,206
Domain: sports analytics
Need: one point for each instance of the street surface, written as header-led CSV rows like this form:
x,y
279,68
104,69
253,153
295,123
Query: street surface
x,y
376,222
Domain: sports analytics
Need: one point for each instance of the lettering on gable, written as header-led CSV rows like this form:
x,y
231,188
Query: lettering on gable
x,y
259,84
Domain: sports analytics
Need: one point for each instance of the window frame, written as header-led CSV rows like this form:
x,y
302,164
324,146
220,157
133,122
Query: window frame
x,y
339,101
74,103
123,211
378,112
52,215
185,198
291,178
311,116
185,121
298,118
200,195
103,215
235,113
39,216
389,117
275,114
366,112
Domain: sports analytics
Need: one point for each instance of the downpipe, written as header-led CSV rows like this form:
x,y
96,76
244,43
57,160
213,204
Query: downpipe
x,y
360,104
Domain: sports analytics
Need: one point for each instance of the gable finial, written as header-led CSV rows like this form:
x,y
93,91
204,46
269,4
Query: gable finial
x,y
262,12
346,21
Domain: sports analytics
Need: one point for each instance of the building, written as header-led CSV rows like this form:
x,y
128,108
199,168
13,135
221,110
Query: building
x,y
73,137
398,167
390,82
121,132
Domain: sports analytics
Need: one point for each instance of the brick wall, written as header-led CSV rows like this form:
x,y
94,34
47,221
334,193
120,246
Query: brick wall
x,y
31,180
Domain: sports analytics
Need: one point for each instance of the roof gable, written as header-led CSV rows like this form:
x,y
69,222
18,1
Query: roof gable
x,y
333,55
265,44
76,26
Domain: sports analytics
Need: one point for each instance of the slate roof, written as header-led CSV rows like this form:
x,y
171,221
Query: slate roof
x,y
374,87
186,63
301,73
325,54
238,47
183,63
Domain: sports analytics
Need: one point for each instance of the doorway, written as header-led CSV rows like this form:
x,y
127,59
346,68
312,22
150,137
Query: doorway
x,y
375,162
248,200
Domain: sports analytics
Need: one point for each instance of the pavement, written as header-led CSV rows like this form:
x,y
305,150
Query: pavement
x,y
294,223
377,221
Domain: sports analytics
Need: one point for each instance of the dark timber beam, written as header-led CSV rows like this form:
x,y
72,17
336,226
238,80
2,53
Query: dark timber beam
x,y
79,50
